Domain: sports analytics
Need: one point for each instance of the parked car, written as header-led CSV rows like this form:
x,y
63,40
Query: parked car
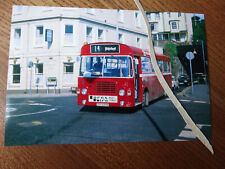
x,y
175,83
198,78
184,80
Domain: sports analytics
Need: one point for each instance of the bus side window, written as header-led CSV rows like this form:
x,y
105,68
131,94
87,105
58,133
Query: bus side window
x,y
165,66
160,65
145,65
152,69
169,66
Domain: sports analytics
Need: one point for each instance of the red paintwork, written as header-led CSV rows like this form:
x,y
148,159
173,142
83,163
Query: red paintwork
x,y
149,83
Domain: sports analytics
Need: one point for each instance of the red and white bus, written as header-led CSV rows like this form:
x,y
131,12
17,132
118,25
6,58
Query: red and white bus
x,y
118,75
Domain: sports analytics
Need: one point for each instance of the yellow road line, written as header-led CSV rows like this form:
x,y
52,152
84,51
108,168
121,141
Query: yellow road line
x,y
185,90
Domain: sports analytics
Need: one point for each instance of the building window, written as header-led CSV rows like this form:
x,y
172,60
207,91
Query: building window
x,y
153,26
16,73
120,38
137,19
138,42
68,34
179,14
177,37
68,68
157,16
89,35
149,16
174,25
100,35
154,36
120,15
39,35
39,68
165,36
169,14
160,36
17,37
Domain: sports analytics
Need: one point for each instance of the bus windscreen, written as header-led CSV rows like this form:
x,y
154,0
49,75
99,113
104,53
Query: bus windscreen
x,y
106,66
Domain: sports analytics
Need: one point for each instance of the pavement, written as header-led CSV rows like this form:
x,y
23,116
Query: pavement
x,y
200,92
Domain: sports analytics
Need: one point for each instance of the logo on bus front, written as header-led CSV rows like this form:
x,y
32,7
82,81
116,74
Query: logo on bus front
x,y
108,48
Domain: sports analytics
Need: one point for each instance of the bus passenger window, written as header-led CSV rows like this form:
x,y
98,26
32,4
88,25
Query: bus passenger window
x,y
165,66
169,66
152,69
160,64
145,65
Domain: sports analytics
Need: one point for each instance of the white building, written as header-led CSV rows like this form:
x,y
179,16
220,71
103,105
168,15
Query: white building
x,y
71,28
170,26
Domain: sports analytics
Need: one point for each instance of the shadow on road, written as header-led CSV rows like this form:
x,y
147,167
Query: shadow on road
x,y
119,110
155,125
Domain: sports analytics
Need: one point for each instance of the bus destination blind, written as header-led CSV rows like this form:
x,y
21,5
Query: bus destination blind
x,y
105,48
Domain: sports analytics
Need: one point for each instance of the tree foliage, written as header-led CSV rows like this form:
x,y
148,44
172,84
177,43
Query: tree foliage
x,y
198,31
170,50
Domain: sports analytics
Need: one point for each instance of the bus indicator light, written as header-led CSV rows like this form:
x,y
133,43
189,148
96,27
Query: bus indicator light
x,y
128,92
78,91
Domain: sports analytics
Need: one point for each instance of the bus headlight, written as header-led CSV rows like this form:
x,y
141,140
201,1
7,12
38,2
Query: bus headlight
x,y
128,92
121,103
84,91
121,92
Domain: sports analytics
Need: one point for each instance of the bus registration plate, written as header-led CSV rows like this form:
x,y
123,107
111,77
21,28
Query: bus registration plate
x,y
102,104
103,99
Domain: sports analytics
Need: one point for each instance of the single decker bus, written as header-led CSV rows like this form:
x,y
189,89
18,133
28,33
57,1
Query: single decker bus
x,y
118,75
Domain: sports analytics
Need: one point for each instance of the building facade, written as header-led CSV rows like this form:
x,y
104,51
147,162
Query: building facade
x,y
170,26
34,62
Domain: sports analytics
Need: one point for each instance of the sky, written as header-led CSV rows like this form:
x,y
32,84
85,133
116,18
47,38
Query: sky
x,y
199,15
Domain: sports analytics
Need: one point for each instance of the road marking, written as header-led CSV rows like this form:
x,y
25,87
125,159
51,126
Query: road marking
x,y
196,101
182,100
199,101
187,134
31,104
27,114
29,124
38,104
184,91
10,109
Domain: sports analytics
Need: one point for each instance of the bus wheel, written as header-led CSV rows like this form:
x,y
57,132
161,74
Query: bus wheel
x,y
145,99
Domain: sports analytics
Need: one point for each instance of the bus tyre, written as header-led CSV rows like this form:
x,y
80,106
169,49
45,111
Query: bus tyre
x,y
145,99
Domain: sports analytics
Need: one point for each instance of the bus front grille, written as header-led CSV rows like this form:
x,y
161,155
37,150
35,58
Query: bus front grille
x,y
106,87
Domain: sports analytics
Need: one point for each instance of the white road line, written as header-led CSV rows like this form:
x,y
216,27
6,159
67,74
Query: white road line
x,y
199,126
30,104
182,100
187,134
197,101
38,104
27,114
179,140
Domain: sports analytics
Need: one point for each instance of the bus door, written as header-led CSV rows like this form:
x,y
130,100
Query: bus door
x,y
136,68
